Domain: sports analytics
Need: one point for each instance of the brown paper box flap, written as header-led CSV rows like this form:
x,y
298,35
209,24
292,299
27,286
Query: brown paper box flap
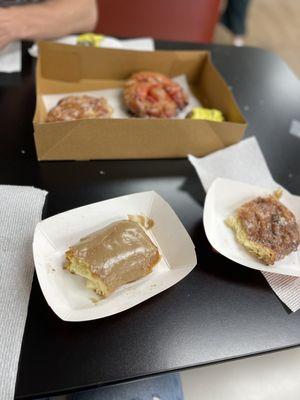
x,y
94,68
87,139
95,63
216,93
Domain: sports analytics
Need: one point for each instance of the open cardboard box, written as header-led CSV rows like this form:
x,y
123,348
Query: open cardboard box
x,y
64,69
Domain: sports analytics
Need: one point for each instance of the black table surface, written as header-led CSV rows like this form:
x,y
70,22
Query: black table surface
x,y
221,310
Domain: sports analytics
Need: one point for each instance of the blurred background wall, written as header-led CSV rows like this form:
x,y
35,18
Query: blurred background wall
x,y
272,25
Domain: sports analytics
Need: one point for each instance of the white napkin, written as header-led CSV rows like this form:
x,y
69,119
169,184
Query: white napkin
x,y
142,44
235,162
11,58
295,128
20,210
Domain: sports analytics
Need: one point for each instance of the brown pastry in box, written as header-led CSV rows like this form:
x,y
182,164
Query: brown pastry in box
x,y
118,254
152,94
266,228
79,107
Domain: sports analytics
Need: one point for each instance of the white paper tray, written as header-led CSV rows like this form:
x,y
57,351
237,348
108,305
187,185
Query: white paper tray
x,y
223,198
67,295
114,98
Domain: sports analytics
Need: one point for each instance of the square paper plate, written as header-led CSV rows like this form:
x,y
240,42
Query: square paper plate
x,y
67,295
223,198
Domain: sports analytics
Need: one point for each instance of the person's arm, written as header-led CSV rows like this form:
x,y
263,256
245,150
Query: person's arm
x,y
48,20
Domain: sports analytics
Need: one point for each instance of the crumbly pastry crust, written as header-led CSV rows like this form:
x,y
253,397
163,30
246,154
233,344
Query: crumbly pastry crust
x,y
152,94
266,228
79,107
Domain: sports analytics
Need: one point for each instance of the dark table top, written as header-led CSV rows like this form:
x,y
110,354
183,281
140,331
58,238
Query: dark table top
x,y
218,312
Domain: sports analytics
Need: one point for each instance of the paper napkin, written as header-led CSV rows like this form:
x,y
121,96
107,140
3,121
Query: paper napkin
x,y
141,44
11,58
20,210
235,162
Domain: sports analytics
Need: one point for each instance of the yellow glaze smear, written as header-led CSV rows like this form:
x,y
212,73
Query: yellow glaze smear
x,y
90,39
206,113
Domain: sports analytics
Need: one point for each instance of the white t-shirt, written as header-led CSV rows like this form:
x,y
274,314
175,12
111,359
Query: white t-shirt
x,y
9,3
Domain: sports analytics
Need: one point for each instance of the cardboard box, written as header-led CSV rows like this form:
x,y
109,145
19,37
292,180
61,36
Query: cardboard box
x,y
63,69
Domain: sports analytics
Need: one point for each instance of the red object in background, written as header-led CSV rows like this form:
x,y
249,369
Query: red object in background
x,y
178,20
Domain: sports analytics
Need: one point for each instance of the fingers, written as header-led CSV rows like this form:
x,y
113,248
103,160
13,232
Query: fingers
x,y
8,27
4,41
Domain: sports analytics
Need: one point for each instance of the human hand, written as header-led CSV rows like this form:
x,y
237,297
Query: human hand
x,y
8,26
